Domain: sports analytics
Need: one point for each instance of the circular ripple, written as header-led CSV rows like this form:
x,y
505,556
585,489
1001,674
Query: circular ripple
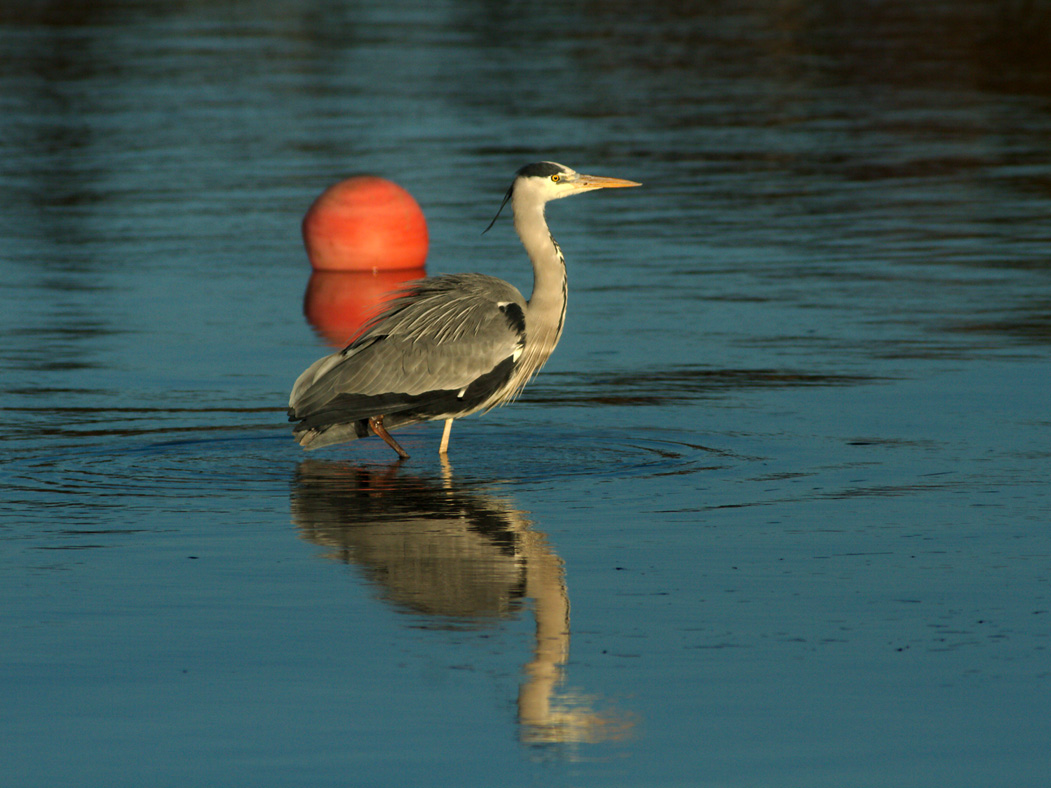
x,y
521,454
255,464
108,468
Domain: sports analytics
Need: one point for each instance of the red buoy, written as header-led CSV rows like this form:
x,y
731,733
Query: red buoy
x,y
365,223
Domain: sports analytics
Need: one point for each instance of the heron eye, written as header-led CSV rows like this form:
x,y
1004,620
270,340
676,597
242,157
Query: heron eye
x,y
556,178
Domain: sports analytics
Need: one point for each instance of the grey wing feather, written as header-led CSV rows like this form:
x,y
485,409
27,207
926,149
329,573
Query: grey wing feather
x,y
441,333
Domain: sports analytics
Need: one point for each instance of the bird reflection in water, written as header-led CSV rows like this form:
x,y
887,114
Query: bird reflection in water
x,y
464,556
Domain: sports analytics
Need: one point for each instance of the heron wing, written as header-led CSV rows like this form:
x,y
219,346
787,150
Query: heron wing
x,y
439,335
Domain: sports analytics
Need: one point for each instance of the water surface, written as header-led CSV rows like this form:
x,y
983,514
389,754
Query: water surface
x,y
776,512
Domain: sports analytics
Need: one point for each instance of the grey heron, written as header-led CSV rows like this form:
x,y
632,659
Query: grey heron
x,y
448,346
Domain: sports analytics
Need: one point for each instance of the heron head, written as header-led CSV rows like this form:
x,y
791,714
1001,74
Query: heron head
x,y
544,181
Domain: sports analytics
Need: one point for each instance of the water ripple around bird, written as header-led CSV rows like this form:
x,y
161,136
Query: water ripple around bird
x,y
113,467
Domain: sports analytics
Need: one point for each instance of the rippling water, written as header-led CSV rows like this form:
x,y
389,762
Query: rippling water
x,y
775,513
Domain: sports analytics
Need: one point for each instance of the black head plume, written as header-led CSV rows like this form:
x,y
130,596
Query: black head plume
x,y
506,198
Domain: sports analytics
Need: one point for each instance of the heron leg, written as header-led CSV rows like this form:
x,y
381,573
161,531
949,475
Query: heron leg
x,y
444,448
376,423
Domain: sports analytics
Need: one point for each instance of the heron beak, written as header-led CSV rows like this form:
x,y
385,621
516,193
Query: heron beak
x,y
588,182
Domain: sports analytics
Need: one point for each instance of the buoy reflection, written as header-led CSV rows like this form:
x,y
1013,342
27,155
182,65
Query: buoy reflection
x,y
338,303
465,556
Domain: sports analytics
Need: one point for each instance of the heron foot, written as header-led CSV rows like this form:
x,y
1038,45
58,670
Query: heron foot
x,y
376,423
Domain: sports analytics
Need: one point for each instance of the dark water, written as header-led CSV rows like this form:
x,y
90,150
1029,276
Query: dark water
x,y
776,513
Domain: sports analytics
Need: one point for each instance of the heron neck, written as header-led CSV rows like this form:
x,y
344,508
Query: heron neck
x,y
547,304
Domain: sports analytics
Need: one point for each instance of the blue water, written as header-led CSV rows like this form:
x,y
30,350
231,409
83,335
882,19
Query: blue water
x,y
775,513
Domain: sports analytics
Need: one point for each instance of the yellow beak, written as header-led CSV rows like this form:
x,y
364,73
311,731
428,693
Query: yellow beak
x,y
588,182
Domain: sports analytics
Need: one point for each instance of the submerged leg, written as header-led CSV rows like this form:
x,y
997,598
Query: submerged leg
x,y
444,448
376,423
